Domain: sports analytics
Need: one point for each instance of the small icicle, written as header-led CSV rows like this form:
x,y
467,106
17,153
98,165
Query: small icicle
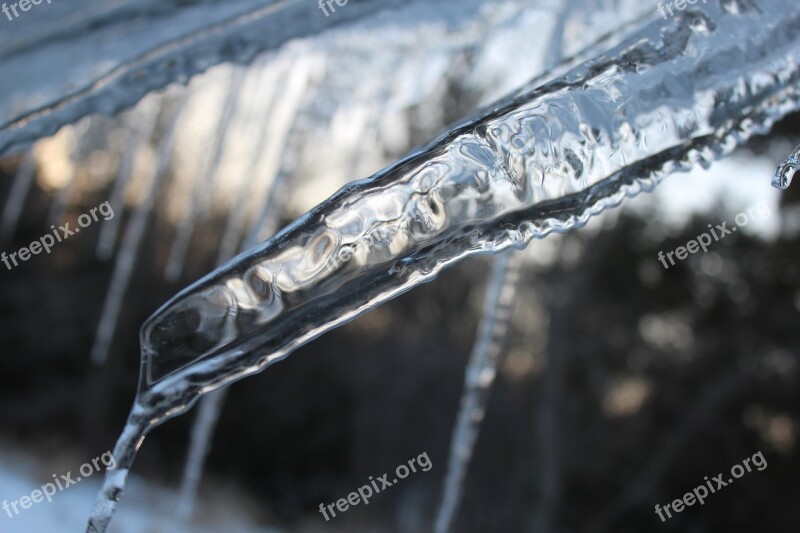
x,y
124,453
144,123
202,433
201,196
253,184
128,254
15,203
61,202
481,370
278,128
786,170
499,301
268,214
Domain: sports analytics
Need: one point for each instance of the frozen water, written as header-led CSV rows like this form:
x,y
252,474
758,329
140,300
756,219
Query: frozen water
x,y
142,126
129,248
494,328
16,197
149,44
480,375
200,194
279,124
786,170
675,93
563,151
199,446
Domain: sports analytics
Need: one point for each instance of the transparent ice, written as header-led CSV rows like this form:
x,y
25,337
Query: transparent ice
x,y
672,94
785,173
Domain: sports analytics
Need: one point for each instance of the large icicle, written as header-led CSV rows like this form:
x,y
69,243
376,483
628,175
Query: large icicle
x,y
676,93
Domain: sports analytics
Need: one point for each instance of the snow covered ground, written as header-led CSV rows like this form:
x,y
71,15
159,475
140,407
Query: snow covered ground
x,y
148,508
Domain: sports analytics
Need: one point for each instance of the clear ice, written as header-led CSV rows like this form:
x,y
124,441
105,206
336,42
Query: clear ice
x,y
786,170
672,94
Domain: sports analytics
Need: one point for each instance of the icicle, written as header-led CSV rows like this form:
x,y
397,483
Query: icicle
x,y
541,162
228,32
254,183
480,374
144,123
786,170
483,364
237,217
210,406
15,203
265,224
202,433
60,204
134,234
201,195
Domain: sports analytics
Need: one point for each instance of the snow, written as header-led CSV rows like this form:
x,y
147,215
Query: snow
x,y
148,508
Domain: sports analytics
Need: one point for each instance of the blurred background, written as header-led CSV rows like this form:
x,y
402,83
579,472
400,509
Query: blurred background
x,y
620,384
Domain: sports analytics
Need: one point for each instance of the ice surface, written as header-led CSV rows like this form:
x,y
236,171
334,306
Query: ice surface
x,y
678,92
129,247
15,203
146,45
542,162
480,375
786,170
